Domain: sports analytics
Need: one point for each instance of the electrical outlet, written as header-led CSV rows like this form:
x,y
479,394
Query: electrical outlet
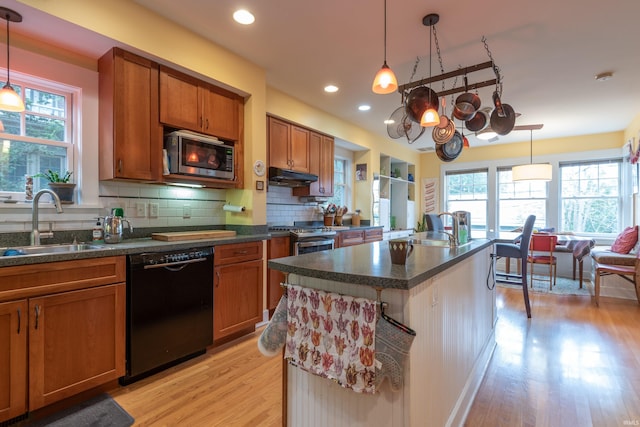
x,y
186,211
141,210
153,210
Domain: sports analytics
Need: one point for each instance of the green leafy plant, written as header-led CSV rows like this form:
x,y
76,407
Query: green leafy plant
x,y
54,176
421,226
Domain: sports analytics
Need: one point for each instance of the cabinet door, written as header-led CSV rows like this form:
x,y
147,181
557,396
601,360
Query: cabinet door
x,y
220,114
13,359
351,238
179,102
237,297
76,342
373,235
299,149
130,136
279,135
277,247
325,175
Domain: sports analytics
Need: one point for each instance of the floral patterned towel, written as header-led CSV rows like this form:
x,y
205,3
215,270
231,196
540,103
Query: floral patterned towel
x,y
333,336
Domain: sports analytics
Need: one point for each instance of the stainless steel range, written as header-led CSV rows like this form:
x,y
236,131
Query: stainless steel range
x,y
306,240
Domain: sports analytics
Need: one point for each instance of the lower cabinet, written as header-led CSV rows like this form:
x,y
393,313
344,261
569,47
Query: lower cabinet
x,y
351,238
373,235
237,288
63,334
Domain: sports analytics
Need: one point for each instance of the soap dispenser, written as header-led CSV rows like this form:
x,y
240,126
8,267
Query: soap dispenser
x,y
98,232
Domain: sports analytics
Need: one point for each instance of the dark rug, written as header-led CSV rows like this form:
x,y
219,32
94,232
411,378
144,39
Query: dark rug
x,y
564,286
101,411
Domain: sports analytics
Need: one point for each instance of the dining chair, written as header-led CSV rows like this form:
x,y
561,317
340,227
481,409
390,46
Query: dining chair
x,y
433,222
519,249
630,273
541,252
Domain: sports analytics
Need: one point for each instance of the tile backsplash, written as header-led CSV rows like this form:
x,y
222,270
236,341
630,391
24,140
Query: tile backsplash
x,y
283,208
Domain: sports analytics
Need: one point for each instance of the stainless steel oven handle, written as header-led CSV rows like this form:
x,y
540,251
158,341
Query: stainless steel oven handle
x,y
307,244
175,266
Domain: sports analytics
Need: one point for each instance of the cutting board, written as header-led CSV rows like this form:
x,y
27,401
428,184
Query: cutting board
x,y
192,235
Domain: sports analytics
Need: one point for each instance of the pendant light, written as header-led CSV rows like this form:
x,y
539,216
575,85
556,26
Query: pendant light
x,y
532,171
430,117
385,81
9,99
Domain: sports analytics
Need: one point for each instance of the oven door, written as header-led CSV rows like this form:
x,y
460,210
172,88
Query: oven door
x,y
307,246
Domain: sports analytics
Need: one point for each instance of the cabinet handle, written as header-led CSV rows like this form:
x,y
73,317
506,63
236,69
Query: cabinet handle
x,y
37,311
240,252
19,320
120,166
207,124
218,281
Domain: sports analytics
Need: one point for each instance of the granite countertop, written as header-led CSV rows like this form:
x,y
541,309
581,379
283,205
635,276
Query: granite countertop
x,y
370,264
129,246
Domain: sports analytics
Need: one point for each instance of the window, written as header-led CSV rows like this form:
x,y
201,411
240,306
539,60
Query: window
x,y
518,200
467,191
590,196
341,190
38,139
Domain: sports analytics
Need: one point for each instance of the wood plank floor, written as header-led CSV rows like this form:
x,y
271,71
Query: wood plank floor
x,y
572,364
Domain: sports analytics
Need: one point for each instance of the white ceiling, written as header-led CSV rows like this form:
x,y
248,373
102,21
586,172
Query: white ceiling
x,y
548,52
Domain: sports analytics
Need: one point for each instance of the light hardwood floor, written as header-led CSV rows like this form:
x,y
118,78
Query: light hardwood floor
x,y
572,364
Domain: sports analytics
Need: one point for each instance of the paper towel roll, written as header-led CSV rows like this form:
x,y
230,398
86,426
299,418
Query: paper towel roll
x,y
233,208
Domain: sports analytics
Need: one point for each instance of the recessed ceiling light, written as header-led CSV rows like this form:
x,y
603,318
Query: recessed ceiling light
x,y
389,121
603,77
364,107
243,17
331,88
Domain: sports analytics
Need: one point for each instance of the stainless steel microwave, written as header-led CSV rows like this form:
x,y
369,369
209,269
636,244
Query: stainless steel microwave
x,y
191,153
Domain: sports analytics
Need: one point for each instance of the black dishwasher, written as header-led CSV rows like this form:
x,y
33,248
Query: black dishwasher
x,y
169,309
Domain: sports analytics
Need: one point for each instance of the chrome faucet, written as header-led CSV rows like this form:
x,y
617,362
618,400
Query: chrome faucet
x,y
35,232
454,239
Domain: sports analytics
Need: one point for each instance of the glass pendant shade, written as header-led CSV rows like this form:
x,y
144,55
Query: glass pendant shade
x,y
532,172
385,81
10,100
430,118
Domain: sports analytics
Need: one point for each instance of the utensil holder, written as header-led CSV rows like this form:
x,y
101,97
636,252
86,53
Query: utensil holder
x,y
328,220
338,220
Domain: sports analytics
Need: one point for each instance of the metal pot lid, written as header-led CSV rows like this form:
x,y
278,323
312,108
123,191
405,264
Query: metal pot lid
x,y
443,135
503,125
419,100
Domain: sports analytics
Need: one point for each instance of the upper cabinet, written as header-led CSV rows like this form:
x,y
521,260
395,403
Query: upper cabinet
x,y
130,135
189,103
288,145
321,149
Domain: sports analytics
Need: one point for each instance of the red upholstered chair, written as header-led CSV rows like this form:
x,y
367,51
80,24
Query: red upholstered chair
x,y
541,252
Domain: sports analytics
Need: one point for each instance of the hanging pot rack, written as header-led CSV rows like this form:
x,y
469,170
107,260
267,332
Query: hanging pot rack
x,y
459,72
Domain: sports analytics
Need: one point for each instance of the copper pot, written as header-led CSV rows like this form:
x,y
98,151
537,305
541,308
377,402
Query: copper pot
x,y
420,100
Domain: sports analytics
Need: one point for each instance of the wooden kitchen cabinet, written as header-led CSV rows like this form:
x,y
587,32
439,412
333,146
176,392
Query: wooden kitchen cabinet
x,y
321,151
351,238
372,235
130,134
71,321
76,342
237,289
13,359
277,247
288,145
190,103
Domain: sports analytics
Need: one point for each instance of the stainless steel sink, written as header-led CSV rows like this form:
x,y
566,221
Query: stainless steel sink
x,y
50,249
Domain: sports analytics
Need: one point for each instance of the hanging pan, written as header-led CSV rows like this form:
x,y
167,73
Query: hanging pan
x,y
480,120
451,150
420,100
466,104
503,125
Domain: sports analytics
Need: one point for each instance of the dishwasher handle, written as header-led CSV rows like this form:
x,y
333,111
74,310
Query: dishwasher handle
x,y
174,266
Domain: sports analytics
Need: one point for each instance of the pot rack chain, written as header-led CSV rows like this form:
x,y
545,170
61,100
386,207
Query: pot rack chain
x,y
435,37
496,69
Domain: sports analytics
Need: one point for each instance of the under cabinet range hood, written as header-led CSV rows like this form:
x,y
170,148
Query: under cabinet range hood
x,y
289,178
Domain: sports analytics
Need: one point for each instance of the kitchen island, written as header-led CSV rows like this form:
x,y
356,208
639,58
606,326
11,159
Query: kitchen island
x,y
443,294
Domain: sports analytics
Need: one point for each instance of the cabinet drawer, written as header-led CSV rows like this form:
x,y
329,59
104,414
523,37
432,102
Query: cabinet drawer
x,y
33,280
373,235
351,237
237,252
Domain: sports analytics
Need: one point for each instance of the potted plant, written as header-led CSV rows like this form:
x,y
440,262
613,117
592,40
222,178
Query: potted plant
x,y
59,184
